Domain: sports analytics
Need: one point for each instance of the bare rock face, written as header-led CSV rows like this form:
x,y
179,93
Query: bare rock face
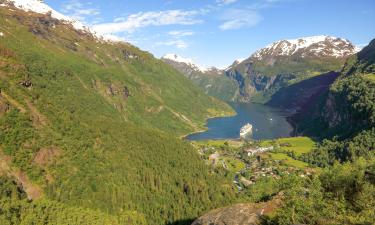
x,y
239,214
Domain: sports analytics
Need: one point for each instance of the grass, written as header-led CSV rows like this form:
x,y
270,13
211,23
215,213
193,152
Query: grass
x,y
298,145
370,77
234,165
220,143
288,160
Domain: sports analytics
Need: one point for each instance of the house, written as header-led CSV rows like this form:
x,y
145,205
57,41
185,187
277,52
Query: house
x,y
253,151
213,158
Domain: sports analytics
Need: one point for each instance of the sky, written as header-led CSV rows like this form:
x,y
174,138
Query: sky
x,y
217,32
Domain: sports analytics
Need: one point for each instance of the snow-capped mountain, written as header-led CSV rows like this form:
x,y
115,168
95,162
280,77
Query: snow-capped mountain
x,y
38,6
185,64
315,46
235,63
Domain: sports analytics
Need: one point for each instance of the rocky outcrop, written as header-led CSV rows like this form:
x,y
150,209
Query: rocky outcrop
x,y
239,214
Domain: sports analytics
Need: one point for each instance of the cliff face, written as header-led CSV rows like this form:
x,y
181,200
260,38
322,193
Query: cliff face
x,y
250,82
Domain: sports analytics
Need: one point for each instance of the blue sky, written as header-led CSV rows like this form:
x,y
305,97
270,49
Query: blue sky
x,y
216,32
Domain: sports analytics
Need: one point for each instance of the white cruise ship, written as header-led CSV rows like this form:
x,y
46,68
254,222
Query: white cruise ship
x,y
246,130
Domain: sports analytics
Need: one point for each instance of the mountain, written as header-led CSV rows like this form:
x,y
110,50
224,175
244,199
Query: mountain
x,y
90,127
185,65
212,80
288,61
347,108
267,70
308,47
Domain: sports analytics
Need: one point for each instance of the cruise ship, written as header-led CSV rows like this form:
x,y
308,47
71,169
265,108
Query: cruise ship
x,y
246,130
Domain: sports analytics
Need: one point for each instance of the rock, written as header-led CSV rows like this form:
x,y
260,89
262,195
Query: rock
x,y
126,92
26,83
239,214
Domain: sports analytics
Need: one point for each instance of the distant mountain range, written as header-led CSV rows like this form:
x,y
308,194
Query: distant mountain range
x,y
268,69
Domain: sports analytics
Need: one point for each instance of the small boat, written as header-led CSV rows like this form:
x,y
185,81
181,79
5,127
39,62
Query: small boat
x,y
246,130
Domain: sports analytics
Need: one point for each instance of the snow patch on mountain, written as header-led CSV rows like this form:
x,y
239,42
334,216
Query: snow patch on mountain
x,y
318,45
234,64
42,8
39,6
189,62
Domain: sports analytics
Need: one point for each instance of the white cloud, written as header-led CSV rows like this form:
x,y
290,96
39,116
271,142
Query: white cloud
x,y
79,11
181,44
152,18
225,2
180,33
239,18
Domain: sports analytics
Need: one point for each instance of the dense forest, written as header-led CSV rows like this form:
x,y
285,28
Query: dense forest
x,y
89,126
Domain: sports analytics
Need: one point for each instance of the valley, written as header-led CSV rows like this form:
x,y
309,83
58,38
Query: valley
x,y
94,130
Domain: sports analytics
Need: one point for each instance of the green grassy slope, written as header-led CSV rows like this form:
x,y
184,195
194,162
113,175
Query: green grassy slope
x,y
95,125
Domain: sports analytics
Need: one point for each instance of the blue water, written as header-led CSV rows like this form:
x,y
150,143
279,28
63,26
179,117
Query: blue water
x,y
268,123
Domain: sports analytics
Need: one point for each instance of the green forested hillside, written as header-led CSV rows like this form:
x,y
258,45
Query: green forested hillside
x,y
217,85
87,125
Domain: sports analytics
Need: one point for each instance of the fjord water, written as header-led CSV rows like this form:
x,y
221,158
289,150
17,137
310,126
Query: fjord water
x,y
268,123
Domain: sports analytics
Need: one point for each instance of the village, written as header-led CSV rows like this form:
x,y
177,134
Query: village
x,y
250,161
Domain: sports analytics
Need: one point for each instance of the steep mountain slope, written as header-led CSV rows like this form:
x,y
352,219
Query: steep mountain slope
x,y
348,107
90,123
298,96
212,80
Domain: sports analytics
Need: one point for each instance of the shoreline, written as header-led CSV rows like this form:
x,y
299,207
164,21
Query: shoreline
x,y
205,126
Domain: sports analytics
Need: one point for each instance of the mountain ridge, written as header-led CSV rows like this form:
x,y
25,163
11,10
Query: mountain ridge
x,y
264,72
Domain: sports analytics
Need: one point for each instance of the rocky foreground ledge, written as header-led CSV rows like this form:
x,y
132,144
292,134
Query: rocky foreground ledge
x,y
239,214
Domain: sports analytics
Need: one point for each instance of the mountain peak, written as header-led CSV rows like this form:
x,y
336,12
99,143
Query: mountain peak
x,y
38,6
320,46
189,62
